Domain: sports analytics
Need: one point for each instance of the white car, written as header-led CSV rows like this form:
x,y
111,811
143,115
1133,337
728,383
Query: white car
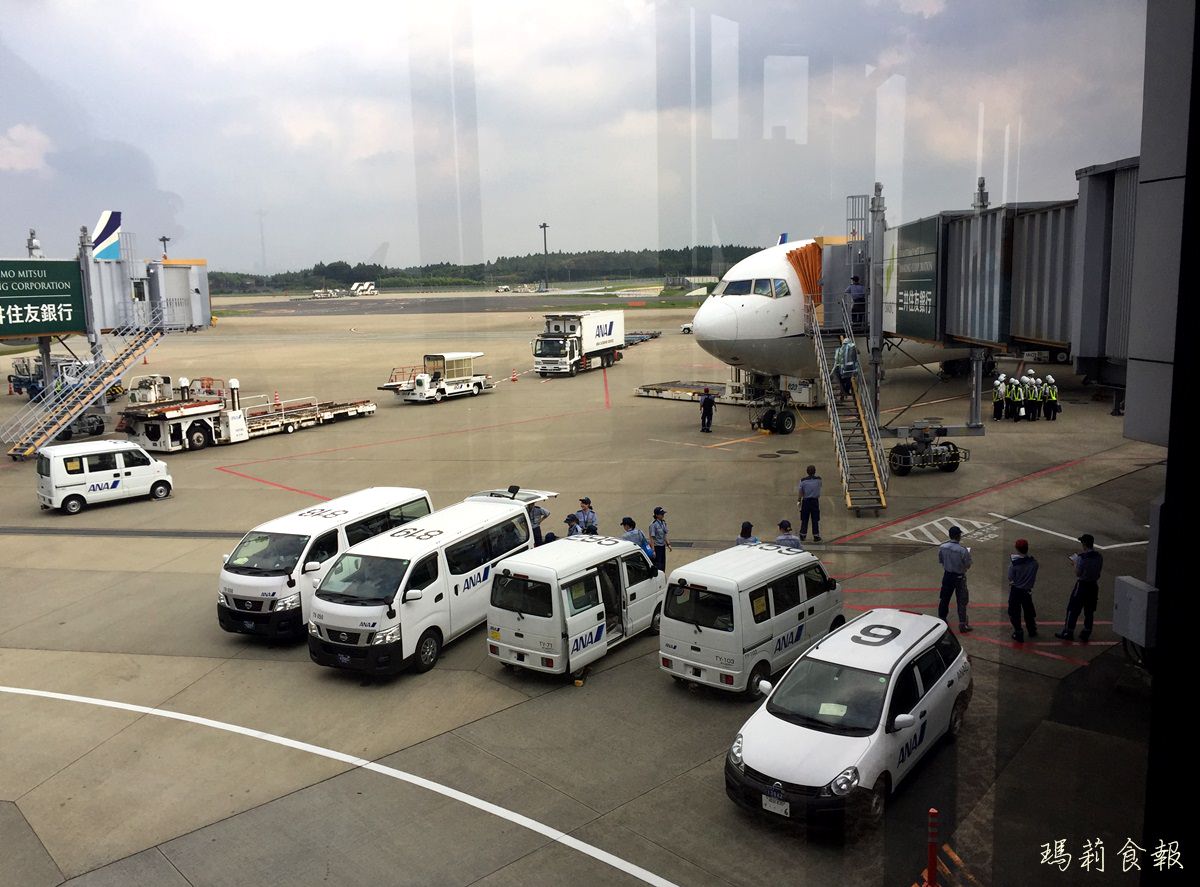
x,y
686,329
850,718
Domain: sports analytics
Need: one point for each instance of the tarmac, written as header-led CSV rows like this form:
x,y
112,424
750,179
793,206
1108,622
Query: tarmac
x,y
236,762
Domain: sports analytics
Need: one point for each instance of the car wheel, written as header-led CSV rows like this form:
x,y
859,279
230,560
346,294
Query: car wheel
x,y
289,428
874,806
957,717
197,439
574,371
73,505
656,622
160,490
785,422
760,672
429,647
475,389
438,395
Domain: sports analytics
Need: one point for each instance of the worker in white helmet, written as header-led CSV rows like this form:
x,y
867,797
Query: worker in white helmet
x,y
998,393
1051,399
1012,405
1039,394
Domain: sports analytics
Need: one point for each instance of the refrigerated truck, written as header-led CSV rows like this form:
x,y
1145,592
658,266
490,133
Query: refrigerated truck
x,y
193,422
571,343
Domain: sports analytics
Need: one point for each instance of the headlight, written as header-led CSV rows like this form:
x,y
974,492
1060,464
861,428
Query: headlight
x,y
313,630
387,636
221,599
291,602
845,782
735,753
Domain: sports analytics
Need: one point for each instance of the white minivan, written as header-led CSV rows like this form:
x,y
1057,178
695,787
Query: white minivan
x,y
741,615
561,606
72,476
851,718
266,583
397,599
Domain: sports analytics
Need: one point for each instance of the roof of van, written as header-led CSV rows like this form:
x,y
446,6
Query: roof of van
x,y
91,446
570,554
315,517
747,566
840,648
454,522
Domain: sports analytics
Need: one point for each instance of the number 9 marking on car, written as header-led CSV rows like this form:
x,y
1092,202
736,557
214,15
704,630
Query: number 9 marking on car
x,y
875,635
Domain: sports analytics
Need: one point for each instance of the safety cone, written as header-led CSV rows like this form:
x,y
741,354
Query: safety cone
x,y
10,388
145,360
514,375
277,404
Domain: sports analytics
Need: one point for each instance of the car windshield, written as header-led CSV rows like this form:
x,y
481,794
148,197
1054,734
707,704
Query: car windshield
x,y
702,608
549,348
525,596
266,554
830,698
362,579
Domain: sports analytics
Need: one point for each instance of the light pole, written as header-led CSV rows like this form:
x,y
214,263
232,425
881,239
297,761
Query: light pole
x,y
164,240
545,259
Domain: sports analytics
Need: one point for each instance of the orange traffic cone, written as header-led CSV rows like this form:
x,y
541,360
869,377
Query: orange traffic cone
x,y
514,375
10,388
145,360
277,404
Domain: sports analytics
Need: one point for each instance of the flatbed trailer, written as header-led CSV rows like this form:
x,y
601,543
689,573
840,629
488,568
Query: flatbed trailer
x,y
191,423
767,400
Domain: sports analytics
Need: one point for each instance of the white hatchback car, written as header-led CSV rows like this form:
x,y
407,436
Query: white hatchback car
x,y
850,718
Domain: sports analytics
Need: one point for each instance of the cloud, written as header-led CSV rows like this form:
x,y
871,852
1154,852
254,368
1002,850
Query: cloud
x,y
23,149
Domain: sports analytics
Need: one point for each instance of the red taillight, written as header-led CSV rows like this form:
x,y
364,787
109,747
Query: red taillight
x,y
666,662
727,679
547,662
493,649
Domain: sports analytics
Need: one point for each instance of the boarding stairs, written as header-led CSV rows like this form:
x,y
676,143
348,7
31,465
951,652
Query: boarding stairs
x,y
44,419
861,462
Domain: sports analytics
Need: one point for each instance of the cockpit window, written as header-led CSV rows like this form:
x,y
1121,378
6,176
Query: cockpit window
x,y
736,288
781,289
763,288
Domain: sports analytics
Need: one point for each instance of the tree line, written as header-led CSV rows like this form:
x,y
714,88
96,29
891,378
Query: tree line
x,y
562,267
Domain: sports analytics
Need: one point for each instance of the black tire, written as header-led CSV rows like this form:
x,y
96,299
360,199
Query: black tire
x,y
871,811
65,434
957,716
438,396
574,371
897,453
656,620
429,648
760,672
837,623
475,389
954,463
72,505
160,490
289,428
767,420
197,437
543,375
785,422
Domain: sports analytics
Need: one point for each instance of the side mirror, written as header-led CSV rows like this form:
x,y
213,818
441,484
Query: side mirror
x,y
764,687
653,570
225,558
903,722
414,595
830,584
311,567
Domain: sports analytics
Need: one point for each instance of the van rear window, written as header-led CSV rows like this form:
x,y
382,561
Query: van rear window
x,y
707,609
43,465
522,596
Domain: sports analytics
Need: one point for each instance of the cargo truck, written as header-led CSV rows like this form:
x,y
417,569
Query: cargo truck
x,y
585,340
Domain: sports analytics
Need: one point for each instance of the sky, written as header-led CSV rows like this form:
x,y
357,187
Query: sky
x,y
268,138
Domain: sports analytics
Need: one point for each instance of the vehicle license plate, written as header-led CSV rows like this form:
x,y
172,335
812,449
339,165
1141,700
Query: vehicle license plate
x,y
696,672
343,658
783,808
249,626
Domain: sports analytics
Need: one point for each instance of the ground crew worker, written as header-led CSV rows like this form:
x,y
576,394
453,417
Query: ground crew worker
x,y
1026,398
572,523
658,535
1039,391
808,497
1088,564
998,400
1051,399
1022,573
589,523
746,537
846,364
786,536
707,404
955,559
1013,404
537,514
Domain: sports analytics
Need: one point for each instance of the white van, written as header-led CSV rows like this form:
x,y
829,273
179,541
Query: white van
x,y
737,617
397,599
558,607
71,476
267,582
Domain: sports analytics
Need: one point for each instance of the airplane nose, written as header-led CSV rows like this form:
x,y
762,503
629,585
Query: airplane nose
x,y
715,327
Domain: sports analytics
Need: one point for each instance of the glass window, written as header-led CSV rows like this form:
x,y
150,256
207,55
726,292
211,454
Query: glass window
x,y
508,536
949,648
786,592
815,582
424,573
781,288
637,568
522,596
102,462
610,585
759,607
582,594
906,695
931,667
763,288
135,459
467,555
830,698
737,288
324,548
73,465
409,511
362,579
266,554
706,609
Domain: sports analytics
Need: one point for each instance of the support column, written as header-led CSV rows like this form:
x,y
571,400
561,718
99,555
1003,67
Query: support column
x,y
976,418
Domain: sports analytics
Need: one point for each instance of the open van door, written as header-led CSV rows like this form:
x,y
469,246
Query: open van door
x,y
584,609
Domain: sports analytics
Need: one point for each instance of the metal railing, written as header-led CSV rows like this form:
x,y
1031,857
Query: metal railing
x,y
830,402
866,410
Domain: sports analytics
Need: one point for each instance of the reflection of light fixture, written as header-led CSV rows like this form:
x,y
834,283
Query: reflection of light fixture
x,y
164,240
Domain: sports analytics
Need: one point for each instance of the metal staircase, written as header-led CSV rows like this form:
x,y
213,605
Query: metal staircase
x,y
855,429
44,419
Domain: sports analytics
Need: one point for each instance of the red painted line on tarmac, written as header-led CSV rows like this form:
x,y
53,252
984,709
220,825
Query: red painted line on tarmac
x,y
607,399
272,483
961,499
884,590
1023,648
922,605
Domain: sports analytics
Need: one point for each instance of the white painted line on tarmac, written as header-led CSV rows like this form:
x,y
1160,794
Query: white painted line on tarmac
x,y
502,812
1013,520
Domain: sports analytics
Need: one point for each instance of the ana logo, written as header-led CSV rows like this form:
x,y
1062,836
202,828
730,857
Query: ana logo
x,y
670,646
367,624
604,329
477,579
912,745
788,639
586,640
107,485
